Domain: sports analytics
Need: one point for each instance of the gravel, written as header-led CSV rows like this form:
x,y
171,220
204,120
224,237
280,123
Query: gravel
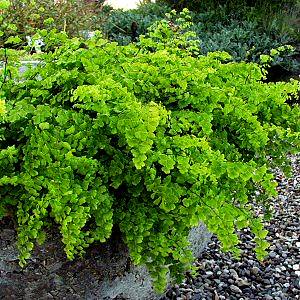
x,y
278,277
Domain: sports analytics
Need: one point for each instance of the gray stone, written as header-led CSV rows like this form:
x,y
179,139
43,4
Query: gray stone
x,y
233,273
296,267
209,273
197,296
134,285
235,289
241,282
297,283
255,270
199,237
137,284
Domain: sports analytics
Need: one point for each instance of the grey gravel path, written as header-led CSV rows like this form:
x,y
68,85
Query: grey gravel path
x,y
278,278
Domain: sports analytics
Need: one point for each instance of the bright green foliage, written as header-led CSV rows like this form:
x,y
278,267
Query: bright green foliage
x,y
149,137
2,107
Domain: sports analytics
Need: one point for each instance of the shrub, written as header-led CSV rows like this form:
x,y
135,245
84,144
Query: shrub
x,y
70,16
243,42
197,5
2,107
283,16
117,25
146,137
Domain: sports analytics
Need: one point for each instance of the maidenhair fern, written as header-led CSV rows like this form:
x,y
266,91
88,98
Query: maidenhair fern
x,y
150,139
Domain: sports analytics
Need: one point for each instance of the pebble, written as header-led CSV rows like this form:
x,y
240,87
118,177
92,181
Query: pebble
x,y
241,282
296,267
209,273
255,270
233,273
235,289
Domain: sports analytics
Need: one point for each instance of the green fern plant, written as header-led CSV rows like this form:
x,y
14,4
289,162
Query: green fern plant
x,y
152,137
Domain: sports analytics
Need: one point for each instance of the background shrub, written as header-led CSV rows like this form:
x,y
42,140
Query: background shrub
x,y
244,42
116,26
197,5
268,14
72,16
244,32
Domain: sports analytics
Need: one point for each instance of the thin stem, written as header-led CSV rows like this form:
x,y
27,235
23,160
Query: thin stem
x,y
5,67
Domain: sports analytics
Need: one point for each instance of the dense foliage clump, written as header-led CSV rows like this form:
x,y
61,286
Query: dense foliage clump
x,y
116,25
151,137
72,16
2,107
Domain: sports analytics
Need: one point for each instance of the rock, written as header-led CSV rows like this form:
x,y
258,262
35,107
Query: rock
x,y
255,270
209,273
7,235
296,267
137,283
216,295
283,268
233,273
197,296
266,281
235,289
58,280
54,267
241,282
199,236
297,283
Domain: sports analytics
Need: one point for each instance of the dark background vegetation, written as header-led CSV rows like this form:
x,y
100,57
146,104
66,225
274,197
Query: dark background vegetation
x,y
244,28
